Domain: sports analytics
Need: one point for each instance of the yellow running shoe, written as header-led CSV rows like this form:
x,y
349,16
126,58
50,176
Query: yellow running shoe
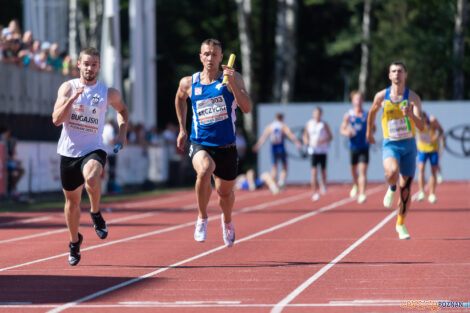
x,y
402,232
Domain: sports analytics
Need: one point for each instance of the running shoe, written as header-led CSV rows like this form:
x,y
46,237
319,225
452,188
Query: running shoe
x,y
439,178
74,254
315,196
228,232
323,189
200,233
402,232
432,198
353,191
361,199
99,224
274,190
388,199
421,196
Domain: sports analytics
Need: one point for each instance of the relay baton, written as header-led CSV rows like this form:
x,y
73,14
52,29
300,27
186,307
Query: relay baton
x,y
231,60
117,147
407,120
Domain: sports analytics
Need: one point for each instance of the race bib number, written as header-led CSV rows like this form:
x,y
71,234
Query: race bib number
x,y
211,110
85,118
397,129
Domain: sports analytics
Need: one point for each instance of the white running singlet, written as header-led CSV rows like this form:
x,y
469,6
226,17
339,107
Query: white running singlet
x,y
317,132
82,132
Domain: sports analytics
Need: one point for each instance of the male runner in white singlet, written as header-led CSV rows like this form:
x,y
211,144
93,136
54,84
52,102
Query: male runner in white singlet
x,y
81,109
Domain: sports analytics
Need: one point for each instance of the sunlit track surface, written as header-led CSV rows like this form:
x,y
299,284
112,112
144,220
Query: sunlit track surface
x,y
291,255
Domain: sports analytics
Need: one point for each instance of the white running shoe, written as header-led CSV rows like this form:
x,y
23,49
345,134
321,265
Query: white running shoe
x,y
421,196
228,232
402,232
353,191
315,196
439,178
200,233
388,199
432,198
323,189
361,199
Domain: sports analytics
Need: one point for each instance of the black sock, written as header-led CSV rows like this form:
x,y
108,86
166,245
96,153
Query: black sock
x,y
393,188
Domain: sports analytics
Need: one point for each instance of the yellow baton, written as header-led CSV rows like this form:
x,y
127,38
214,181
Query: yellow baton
x,y
231,60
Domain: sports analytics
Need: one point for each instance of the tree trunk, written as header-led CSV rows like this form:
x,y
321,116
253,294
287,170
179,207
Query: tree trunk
x,y
458,51
246,46
73,31
285,63
364,71
95,9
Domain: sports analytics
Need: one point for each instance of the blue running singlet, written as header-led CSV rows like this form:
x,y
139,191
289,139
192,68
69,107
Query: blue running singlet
x,y
214,109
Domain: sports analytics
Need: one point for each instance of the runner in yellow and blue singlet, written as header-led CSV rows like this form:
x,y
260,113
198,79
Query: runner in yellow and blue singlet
x,y
401,106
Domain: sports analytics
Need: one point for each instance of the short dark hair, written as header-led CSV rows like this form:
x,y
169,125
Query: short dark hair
x,y
89,51
400,63
212,42
319,109
279,116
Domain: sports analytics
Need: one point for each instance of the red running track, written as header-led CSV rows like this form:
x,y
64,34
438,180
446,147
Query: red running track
x,y
291,255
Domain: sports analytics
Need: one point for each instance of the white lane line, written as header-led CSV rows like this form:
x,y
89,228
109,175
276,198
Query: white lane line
x,y
280,306
168,229
121,219
265,231
28,220
219,304
229,304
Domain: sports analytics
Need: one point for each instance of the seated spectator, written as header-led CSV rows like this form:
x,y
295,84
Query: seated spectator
x,y
248,181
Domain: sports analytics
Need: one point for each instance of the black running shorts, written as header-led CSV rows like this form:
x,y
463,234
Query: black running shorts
x,y
359,156
319,159
225,159
71,169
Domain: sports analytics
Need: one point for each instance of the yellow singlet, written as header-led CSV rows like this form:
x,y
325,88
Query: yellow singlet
x,y
393,120
425,142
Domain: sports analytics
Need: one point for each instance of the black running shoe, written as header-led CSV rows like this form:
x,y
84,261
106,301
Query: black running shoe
x,y
74,256
100,225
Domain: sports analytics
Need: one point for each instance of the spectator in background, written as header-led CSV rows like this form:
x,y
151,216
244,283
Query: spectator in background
x,y
69,67
10,51
40,58
13,31
27,40
54,61
26,52
15,170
